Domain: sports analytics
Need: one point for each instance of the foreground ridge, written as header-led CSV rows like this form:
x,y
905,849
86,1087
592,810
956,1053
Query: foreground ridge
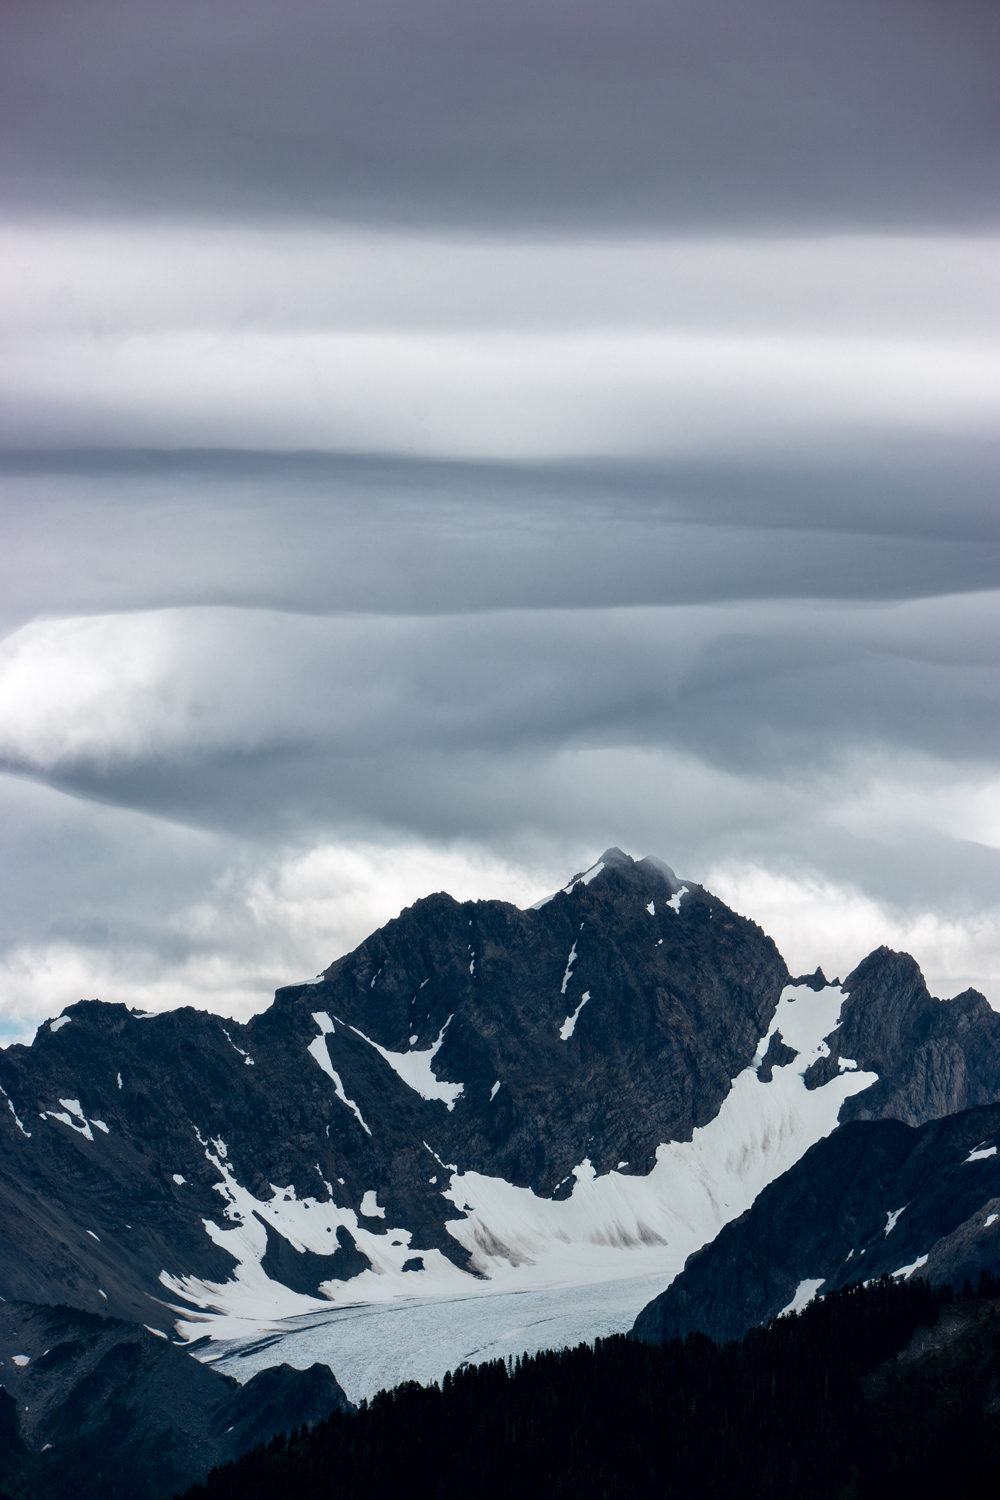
x,y
881,1390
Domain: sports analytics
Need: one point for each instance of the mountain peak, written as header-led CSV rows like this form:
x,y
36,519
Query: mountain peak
x,y
638,870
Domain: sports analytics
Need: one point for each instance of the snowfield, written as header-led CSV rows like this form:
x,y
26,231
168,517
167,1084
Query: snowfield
x,y
573,1269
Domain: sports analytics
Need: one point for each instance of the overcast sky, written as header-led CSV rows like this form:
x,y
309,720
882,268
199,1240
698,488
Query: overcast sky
x,y
441,440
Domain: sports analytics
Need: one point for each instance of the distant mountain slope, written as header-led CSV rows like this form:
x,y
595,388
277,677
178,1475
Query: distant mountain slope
x,y
589,1088
875,1197
97,1396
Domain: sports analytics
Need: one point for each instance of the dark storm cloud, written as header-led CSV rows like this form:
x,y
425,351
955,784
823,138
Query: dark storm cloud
x,y
541,115
92,532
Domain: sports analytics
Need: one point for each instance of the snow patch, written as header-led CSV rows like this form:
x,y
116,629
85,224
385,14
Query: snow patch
x,y
318,1050
248,1060
369,1205
414,1068
494,1090
17,1122
907,1271
980,1155
991,1219
584,879
62,1021
651,908
892,1219
804,1293
21,1360
180,1181
675,900
448,1166
94,1236
119,1080
159,1334
569,969
79,1124
569,1025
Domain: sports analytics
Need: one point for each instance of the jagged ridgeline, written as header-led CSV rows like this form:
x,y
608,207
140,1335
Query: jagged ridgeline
x,y
475,1093
875,1392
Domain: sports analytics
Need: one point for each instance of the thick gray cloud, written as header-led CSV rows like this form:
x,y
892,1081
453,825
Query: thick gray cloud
x,y
846,747
99,531
276,725
539,114
438,443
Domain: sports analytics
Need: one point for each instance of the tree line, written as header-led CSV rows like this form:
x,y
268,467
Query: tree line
x,y
814,1406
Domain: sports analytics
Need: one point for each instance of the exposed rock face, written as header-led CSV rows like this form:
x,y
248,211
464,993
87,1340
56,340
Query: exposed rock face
x,y
933,1057
874,1197
104,1394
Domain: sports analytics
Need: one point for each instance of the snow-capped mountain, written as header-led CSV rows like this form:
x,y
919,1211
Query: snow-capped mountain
x,y
477,1096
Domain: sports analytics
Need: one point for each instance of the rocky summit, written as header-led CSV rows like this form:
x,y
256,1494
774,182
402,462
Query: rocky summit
x,y
590,1088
